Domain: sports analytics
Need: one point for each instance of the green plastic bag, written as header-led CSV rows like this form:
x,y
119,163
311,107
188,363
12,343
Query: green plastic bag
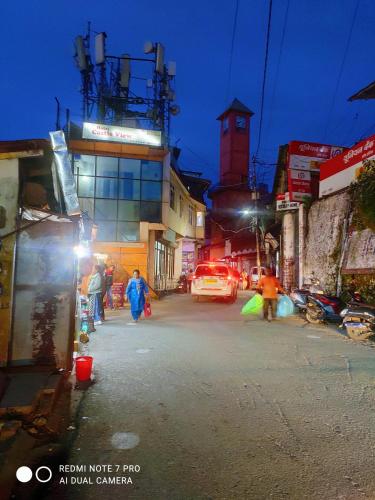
x,y
253,306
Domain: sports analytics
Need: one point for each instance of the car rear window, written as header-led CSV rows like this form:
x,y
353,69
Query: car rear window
x,y
211,271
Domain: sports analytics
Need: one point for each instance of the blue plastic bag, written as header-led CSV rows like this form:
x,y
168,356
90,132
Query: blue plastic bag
x,y
285,307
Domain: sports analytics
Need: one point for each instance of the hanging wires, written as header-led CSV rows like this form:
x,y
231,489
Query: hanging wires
x,y
339,76
281,47
264,77
234,29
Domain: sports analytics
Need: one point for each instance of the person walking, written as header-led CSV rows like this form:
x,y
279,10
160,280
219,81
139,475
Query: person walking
x,y
244,278
95,295
269,285
108,285
136,294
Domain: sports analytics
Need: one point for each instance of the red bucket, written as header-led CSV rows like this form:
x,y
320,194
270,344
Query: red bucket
x,y
83,368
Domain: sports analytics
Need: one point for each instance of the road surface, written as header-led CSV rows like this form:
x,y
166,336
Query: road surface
x,y
212,407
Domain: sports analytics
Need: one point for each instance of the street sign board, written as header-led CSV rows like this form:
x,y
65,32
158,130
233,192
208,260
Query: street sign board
x,y
286,205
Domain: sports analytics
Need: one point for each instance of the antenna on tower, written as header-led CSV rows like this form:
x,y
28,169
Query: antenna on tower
x,y
111,87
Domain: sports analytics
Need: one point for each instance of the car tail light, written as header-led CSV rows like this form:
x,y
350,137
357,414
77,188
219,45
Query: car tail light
x,y
229,278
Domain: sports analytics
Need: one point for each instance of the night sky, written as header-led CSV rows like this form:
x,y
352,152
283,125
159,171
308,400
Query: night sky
x,y
37,64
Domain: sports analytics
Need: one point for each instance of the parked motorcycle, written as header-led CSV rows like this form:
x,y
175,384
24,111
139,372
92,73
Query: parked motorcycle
x,y
316,306
359,320
321,308
299,295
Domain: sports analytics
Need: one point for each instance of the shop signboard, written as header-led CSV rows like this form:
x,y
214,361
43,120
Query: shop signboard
x,y
338,173
127,135
305,158
299,196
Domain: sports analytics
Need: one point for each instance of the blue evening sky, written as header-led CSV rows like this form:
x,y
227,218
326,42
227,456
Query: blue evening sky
x,y
37,64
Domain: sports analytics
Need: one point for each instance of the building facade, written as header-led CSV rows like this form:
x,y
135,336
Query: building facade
x,y
140,207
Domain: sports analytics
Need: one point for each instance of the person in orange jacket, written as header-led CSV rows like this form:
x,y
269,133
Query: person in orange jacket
x,y
269,285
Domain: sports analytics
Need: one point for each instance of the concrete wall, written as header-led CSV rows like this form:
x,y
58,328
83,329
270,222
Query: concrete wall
x,y
325,228
8,200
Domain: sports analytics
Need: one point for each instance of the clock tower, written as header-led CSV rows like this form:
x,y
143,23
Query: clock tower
x,y
235,144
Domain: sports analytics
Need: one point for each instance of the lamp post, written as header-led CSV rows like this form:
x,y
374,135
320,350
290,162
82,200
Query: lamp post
x,y
257,242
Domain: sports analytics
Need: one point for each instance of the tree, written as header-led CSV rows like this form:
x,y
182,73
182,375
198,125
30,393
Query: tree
x,y
363,195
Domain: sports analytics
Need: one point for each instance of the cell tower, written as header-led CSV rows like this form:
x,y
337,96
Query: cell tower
x,y
125,90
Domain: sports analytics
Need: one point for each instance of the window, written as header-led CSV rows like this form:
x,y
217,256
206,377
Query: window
x,y
87,206
84,165
106,166
164,265
105,210
151,191
128,210
106,231
150,211
152,170
204,270
106,187
200,221
86,186
225,124
130,168
191,215
127,231
172,197
118,192
181,206
129,189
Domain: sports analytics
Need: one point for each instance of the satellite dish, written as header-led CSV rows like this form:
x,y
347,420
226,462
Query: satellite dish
x,y
174,109
148,48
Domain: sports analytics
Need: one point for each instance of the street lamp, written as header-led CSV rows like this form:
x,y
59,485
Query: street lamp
x,y
255,212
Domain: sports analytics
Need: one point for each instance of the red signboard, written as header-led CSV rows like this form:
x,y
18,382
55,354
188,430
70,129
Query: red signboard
x,y
337,173
303,159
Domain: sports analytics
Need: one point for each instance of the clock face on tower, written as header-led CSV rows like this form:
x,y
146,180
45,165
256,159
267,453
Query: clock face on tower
x,y
241,122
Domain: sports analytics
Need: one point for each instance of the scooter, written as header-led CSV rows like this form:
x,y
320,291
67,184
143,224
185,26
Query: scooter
x,y
359,320
182,284
321,308
299,295
315,305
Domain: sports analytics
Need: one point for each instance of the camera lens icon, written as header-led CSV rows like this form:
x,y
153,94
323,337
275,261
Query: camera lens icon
x,y
24,474
43,474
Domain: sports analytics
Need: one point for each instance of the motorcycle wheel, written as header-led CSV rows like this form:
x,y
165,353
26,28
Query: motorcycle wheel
x,y
359,336
314,315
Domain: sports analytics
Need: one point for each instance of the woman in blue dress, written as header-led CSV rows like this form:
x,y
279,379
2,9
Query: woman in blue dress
x,y
136,292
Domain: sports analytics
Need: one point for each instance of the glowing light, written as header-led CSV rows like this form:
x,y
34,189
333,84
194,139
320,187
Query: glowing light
x,y
81,251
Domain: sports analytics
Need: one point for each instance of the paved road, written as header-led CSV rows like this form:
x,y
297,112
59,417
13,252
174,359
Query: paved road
x,y
226,409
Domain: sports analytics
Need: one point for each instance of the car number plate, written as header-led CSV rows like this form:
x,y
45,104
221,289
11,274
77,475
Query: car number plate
x,y
208,281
